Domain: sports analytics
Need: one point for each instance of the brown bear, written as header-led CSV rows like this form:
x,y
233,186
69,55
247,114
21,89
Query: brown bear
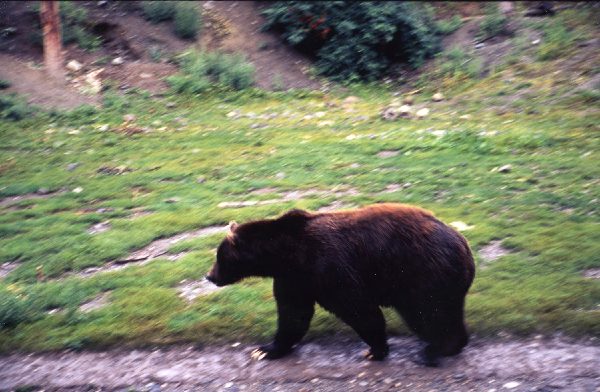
x,y
351,263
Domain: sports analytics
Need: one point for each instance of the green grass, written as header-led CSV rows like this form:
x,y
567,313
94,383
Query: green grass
x,y
545,209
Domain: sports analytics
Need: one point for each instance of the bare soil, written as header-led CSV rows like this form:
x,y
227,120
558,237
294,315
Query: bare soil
x,y
335,364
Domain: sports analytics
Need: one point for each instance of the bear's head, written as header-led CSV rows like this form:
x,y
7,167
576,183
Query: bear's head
x,y
257,248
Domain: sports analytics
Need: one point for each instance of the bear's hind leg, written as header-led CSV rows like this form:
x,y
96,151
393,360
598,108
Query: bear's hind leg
x,y
368,322
440,325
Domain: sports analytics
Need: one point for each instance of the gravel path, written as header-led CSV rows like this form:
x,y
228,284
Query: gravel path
x,y
535,364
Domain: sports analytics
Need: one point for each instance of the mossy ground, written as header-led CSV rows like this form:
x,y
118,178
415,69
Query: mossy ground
x,y
545,210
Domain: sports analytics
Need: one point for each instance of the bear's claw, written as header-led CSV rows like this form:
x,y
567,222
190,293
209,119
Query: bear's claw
x,y
258,354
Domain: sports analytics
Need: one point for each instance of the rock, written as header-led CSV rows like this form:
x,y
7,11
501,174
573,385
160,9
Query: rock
x,y
99,227
505,168
145,75
326,123
511,385
94,84
201,180
103,128
422,113
172,200
74,132
280,175
351,100
74,66
128,118
72,166
461,226
405,110
390,113
43,191
479,45
319,114
78,190
437,97
170,105
235,114
117,61
465,117
408,100
535,41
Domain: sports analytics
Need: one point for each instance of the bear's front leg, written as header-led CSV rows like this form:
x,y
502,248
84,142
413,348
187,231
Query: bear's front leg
x,y
295,308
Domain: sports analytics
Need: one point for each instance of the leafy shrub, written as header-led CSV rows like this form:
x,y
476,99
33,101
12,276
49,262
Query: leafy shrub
x,y
201,70
557,40
494,23
457,63
14,108
448,26
357,41
4,84
13,310
158,11
187,20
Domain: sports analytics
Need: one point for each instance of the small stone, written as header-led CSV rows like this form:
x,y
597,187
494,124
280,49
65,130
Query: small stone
x,y
170,105
78,190
422,113
74,132
505,169
408,100
461,226
117,61
73,166
351,99
103,128
129,118
437,97
363,383
280,175
235,344
465,117
535,42
145,75
172,200
201,180
319,114
43,191
227,385
511,385
233,114
387,380
74,66
326,123
479,45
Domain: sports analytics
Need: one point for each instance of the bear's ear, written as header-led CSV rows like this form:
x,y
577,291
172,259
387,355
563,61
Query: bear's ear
x,y
232,227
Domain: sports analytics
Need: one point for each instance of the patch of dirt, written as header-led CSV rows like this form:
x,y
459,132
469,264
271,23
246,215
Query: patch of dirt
x,y
28,196
492,251
325,365
150,252
234,26
192,289
335,206
592,273
288,196
387,153
37,87
100,301
99,227
7,268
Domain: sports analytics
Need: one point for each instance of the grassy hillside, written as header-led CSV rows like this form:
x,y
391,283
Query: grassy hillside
x,y
181,156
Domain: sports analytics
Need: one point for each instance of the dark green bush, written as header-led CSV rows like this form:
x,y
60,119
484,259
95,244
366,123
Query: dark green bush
x,y
4,84
494,23
158,11
201,70
14,108
187,20
358,40
448,26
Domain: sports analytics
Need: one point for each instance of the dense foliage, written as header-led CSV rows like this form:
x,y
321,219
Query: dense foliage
x,y
357,41
186,21
201,70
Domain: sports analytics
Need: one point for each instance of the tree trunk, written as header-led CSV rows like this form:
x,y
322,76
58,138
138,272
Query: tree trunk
x,y
52,40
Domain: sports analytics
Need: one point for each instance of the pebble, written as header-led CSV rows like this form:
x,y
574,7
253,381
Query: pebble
x,y
422,113
74,66
43,191
437,97
280,175
103,128
201,180
511,385
117,61
78,190
129,118
351,99
73,166
505,169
